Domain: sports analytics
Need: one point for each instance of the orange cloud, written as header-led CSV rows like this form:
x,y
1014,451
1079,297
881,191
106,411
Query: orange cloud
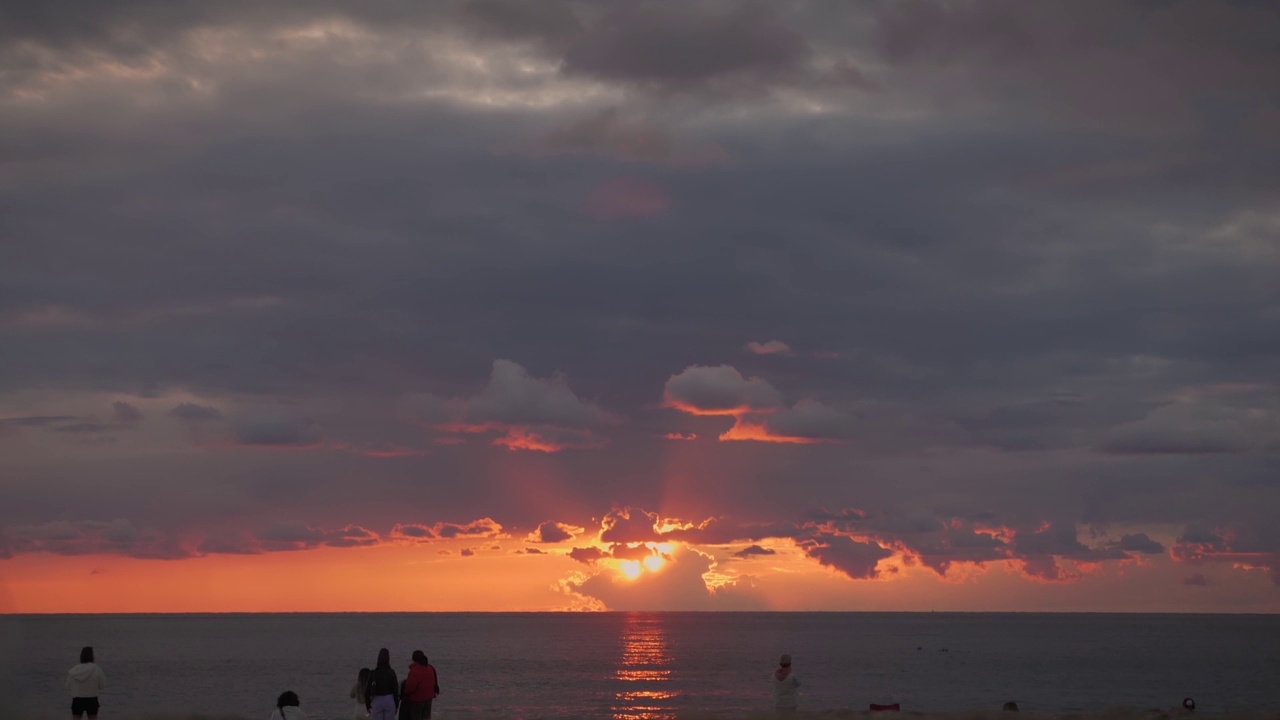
x,y
744,429
517,438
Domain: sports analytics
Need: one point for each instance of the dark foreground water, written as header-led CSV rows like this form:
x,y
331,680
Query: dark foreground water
x,y
633,665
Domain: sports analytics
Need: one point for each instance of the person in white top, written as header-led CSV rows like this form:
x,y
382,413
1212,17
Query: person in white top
x,y
85,681
786,686
287,707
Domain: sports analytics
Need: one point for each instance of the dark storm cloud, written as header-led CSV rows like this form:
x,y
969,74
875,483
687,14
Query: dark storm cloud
x,y
1035,242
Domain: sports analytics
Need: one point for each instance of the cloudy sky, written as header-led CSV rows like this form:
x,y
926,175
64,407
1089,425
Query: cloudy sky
x,y
495,305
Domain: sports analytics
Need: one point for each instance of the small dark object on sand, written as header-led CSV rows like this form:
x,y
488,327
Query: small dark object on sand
x,y
885,708
1188,704
1010,706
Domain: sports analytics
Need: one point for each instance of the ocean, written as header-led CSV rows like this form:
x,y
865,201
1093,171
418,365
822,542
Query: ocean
x,y
649,665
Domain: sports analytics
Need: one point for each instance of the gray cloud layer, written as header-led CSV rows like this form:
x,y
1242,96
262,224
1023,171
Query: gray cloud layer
x,y
1039,240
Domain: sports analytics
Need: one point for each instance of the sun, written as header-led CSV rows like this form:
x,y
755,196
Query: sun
x,y
631,568
654,563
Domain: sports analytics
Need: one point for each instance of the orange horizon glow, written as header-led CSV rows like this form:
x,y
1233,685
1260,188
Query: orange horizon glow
x,y
345,580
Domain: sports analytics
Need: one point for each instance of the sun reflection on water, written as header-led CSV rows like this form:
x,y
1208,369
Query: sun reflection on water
x,y
644,667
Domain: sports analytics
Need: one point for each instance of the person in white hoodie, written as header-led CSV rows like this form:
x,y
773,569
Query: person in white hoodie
x,y
785,687
85,681
287,707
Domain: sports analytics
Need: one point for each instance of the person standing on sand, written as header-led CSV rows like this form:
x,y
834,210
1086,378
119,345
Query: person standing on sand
x,y
786,687
85,681
361,709
421,687
381,692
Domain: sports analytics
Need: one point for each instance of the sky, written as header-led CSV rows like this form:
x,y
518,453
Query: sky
x,y
500,305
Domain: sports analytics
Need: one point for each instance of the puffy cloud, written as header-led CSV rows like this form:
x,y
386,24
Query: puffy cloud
x,y
554,532
587,555
413,533
1202,421
756,406
1139,542
628,525
483,527
720,390
855,559
806,422
529,413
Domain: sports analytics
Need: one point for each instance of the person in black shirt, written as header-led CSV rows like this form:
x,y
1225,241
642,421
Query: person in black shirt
x,y
382,692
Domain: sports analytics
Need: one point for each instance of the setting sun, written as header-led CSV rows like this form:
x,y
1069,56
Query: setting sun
x,y
654,562
630,568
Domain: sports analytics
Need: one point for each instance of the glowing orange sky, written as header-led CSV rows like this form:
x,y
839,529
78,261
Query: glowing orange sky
x,y
418,578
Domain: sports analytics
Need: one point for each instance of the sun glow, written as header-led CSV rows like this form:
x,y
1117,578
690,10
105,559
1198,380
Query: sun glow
x,y
630,568
654,562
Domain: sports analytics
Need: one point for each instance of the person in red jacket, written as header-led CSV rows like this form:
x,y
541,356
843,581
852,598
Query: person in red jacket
x,y
421,687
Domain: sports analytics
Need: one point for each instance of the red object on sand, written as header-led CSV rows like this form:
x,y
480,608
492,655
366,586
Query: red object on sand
x,y
885,708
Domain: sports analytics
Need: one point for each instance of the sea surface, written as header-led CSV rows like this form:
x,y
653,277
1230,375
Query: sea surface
x,y
649,665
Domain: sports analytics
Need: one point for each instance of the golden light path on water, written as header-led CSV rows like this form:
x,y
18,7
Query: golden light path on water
x,y
643,668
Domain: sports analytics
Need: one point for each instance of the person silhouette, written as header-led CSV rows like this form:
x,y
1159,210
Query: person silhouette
x,y
85,681
786,686
382,692
287,707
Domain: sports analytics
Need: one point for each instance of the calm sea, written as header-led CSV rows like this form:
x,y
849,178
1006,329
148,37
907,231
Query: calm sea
x,y
647,665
